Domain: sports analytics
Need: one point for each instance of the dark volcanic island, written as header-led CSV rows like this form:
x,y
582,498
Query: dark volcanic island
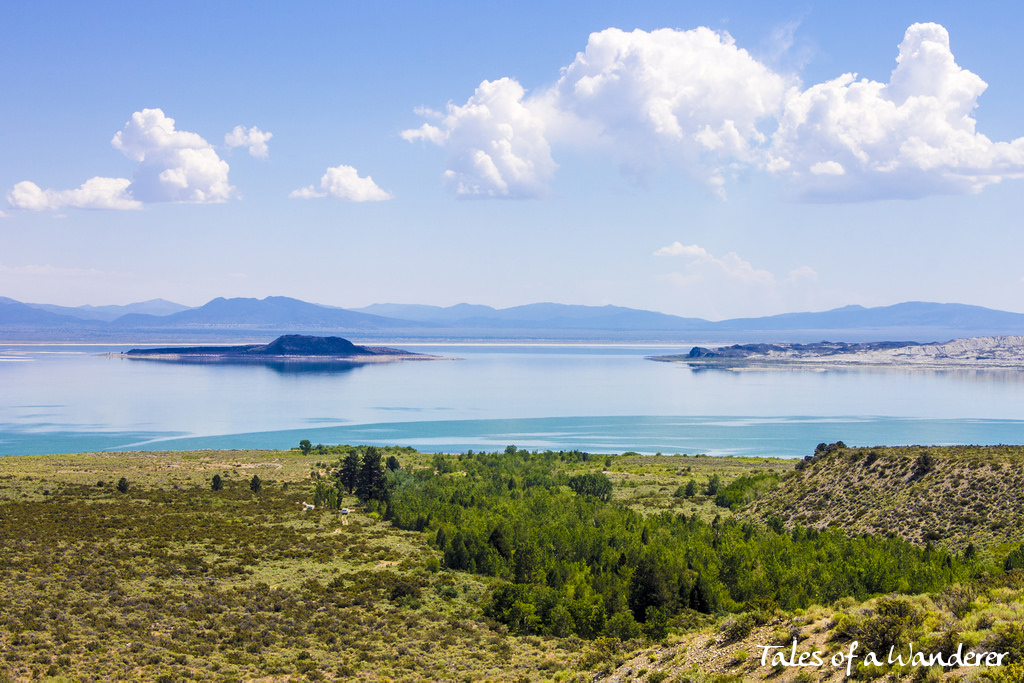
x,y
289,348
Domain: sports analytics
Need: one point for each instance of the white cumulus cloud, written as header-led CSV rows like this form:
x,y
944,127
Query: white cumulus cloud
x,y
173,166
253,138
343,182
497,142
95,193
915,135
696,100
690,97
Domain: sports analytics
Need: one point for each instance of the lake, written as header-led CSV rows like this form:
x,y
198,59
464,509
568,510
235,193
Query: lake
x,y
600,398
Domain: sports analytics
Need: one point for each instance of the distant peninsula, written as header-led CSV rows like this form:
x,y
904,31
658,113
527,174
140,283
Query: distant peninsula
x,y
289,348
973,353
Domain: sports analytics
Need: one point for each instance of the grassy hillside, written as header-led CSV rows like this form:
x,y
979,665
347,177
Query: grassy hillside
x,y
952,496
172,580
165,578
983,616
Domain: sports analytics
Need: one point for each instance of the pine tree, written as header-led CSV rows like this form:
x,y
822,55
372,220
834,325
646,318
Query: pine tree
x,y
349,472
370,484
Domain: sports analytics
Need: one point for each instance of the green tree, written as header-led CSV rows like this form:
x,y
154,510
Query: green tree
x,y
217,484
122,485
255,484
714,483
370,484
623,626
691,488
348,475
649,587
393,464
595,484
306,446
656,624
1015,560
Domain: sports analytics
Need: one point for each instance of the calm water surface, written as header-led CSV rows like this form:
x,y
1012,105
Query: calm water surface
x,y
69,398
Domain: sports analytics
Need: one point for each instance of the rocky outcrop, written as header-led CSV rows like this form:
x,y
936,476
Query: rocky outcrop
x,y
976,352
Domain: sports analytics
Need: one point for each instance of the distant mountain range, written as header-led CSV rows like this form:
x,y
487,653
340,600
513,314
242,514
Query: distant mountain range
x,y
257,319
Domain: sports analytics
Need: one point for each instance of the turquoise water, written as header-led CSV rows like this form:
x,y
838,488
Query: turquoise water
x,y
58,399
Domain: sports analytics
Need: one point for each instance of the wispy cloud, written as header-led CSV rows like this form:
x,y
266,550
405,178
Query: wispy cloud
x,y
732,278
49,271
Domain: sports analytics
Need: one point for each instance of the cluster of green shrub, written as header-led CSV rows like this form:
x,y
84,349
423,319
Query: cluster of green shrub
x,y
572,562
744,489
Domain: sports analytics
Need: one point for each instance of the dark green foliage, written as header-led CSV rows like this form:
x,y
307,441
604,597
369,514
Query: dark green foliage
x,y
122,485
573,562
623,626
651,586
370,484
714,483
691,488
924,464
328,496
592,484
826,448
656,623
393,464
820,451
305,446
1015,560
348,474
216,483
738,627
255,484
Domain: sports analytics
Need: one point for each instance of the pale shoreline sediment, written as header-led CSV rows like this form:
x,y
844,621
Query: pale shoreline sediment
x,y
976,353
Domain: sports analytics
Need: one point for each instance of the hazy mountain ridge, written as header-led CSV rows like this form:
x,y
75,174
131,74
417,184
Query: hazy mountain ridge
x,y
155,307
249,317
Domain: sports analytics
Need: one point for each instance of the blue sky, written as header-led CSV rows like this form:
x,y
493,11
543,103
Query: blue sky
x,y
701,159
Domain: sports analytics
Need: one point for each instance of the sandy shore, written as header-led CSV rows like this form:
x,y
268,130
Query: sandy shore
x,y
972,353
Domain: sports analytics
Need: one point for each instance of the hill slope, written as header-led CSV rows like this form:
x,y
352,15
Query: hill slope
x,y
950,495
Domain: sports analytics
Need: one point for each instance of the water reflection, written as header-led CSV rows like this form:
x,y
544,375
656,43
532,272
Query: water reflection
x,y
986,375
327,367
